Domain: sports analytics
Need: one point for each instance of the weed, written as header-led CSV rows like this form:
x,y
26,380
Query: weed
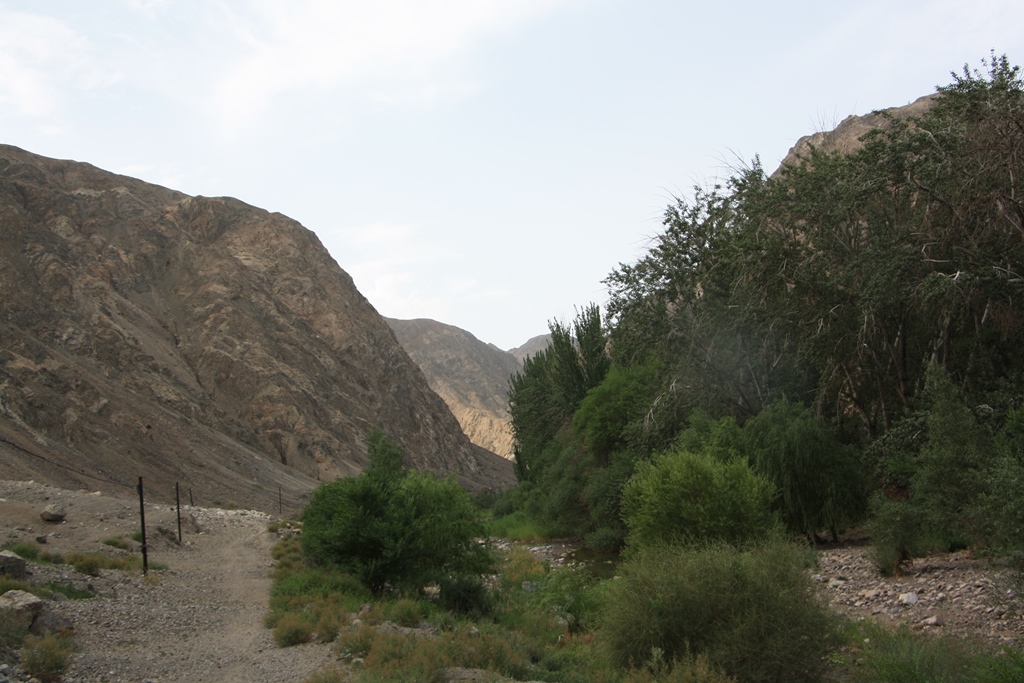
x,y
117,542
405,612
292,629
331,675
46,658
521,565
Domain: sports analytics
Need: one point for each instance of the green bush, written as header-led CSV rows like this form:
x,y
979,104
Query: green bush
x,y
819,479
573,595
694,498
391,528
405,612
46,658
464,594
753,614
117,542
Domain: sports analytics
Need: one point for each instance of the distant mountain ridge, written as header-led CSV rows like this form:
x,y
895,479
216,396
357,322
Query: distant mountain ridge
x,y
470,375
193,339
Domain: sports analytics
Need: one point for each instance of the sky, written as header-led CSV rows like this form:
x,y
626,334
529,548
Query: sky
x,y
484,163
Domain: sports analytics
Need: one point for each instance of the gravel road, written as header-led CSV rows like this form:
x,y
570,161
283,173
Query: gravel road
x,y
200,620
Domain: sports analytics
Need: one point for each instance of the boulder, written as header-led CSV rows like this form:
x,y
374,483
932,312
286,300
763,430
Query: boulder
x,y
48,621
12,564
18,609
54,512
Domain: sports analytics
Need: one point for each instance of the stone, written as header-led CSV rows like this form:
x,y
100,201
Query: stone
x,y
19,609
934,620
47,621
12,564
908,599
54,512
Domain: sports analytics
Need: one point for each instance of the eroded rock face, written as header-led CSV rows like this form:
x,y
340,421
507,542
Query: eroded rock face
x,y
201,340
471,376
846,137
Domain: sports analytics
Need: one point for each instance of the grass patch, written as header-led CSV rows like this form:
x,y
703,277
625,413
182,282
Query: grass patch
x,y
91,563
519,527
44,590
118,542
902,656
33,552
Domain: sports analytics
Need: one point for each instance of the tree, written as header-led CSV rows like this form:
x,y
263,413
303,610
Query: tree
x,y
394,529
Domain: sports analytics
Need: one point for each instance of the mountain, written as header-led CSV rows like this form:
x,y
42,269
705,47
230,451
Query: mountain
x,y
471,376
144,332
846,137
531,348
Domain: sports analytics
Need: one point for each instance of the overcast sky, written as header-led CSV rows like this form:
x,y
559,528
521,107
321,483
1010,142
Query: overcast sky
x,y
485,163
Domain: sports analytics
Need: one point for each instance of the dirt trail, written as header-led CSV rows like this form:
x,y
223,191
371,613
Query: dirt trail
x,y
200,620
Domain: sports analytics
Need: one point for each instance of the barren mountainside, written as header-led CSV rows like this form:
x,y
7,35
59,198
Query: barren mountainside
x,y
193,339
471,376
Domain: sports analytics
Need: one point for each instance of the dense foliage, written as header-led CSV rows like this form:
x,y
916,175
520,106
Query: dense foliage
x,y
393,528
814,311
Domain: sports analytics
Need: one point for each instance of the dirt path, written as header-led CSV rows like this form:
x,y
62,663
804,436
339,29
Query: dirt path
x,y
200,620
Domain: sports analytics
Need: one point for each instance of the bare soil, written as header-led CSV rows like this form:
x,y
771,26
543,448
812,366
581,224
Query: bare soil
x,y
201,619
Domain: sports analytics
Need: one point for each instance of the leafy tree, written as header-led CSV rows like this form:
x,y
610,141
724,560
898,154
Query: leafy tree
x,y
551,385
819,479
393,529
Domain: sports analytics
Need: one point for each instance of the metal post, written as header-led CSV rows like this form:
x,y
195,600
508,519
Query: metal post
x,y
280,502
190,501
177,499
142,516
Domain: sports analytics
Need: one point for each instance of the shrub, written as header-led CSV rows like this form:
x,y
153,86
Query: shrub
x,y
46,658
392,528
24,549
331,675
519,565
465,595
573,595
690,670
753,614
405,612
694,498
292,629
896,529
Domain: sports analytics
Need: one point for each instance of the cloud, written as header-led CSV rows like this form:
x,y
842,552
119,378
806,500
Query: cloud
x,y
385,51
41,61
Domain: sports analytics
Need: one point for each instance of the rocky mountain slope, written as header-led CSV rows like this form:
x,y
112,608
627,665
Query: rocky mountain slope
x,y
144,332
532,347
846,137
471,377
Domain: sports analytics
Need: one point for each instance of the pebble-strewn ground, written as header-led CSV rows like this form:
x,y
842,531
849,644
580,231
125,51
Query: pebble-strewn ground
x,y
952,593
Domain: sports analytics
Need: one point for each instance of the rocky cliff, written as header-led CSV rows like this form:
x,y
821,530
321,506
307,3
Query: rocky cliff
x,y
846,137
531,348
193,339
471,377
